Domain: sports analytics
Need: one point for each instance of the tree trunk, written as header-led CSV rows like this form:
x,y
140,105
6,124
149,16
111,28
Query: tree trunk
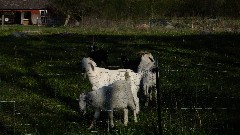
x,y
67,20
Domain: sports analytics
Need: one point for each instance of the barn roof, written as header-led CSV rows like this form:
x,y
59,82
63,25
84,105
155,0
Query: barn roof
x,y
22,4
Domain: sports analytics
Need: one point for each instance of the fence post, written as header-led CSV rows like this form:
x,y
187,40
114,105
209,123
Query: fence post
x,y
2,21
160,131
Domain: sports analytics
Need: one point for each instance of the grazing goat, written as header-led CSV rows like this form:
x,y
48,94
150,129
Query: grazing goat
x,y
115,96
99,56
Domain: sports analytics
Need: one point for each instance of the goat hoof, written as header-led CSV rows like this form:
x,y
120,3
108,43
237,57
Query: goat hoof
x,y
137,112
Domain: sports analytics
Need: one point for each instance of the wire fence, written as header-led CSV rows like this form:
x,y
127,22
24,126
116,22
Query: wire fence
x,y
199,106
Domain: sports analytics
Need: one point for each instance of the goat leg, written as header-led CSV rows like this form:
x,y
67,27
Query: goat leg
x,y
111,118
96,116
125,117
135,116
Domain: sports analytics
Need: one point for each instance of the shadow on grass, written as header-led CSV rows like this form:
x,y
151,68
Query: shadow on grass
x,y
4,130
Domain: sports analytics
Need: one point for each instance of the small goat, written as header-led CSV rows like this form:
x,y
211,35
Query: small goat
x,y
115,96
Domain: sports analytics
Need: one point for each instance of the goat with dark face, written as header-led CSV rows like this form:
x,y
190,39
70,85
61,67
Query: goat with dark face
x,y
147,62
130,64
99,56
144,62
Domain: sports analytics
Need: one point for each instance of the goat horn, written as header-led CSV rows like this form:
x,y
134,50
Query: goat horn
x,y
90,58
143,52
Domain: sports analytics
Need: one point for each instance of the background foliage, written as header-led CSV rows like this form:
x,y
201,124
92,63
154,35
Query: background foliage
x,y
125,9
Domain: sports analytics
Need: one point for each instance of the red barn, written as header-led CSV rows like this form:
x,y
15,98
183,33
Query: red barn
x,y
25,12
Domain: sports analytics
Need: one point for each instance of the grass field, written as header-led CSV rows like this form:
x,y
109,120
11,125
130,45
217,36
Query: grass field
x,y
40,80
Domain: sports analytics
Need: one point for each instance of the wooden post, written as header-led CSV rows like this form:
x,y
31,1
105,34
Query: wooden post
x,y
152,11
2,21
82,17
160,131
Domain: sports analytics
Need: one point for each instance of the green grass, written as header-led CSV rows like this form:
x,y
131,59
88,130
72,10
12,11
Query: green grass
x,y
42,74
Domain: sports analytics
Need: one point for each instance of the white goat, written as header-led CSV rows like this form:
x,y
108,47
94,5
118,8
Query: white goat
x,y
115,96
148,76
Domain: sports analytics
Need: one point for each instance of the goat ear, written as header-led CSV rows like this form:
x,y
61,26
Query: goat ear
x,y
92,66
151,59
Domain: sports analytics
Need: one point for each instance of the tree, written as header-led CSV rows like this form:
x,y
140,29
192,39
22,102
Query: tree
x,y
69,8
135,9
